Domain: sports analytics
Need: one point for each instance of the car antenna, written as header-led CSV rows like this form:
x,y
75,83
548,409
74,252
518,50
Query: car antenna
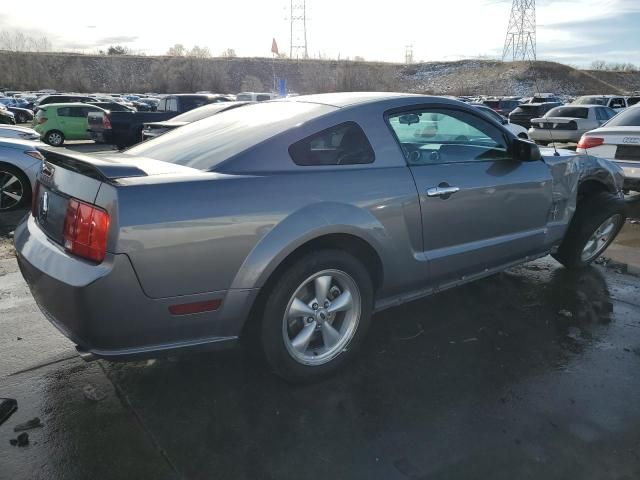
x,y
535,82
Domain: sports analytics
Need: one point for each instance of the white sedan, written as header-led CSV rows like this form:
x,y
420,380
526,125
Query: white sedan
x,y
21,133
618,140
568,122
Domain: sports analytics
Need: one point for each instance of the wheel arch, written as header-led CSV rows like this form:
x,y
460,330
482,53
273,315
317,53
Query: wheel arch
x,y
591,186
351,243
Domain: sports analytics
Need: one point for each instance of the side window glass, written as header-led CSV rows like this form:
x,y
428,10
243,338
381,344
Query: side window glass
x,y
600,114
344,144
172,104
162,106
64,112
435,136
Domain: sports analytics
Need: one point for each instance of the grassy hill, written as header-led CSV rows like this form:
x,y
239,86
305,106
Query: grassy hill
x,y
99,73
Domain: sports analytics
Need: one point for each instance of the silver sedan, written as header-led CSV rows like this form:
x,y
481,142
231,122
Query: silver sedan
x,y
19,165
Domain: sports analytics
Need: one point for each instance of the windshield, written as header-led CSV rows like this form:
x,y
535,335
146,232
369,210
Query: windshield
x,y
591,101
206,143
627,118
571,112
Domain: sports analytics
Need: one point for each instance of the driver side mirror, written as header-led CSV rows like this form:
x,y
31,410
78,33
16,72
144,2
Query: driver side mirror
x,y
525,151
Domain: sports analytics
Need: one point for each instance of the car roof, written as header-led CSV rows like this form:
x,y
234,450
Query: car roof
x,y
68,104
345,99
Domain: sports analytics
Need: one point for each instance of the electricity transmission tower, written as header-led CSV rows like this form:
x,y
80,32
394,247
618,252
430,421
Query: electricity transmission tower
x,y
520,43
298,19
408,54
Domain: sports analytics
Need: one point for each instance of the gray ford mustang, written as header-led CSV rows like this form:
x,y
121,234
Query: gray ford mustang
x,y
292,221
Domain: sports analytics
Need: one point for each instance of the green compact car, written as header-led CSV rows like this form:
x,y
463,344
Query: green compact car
x,y
58,122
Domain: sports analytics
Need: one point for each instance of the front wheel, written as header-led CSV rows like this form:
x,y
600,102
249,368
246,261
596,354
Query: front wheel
x,y
595,225
317,315
54,138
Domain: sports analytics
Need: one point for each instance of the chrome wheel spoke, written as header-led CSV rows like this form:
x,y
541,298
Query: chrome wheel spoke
x,y
15,196
300,309
342,303
330,336
322,286
11,181
301,341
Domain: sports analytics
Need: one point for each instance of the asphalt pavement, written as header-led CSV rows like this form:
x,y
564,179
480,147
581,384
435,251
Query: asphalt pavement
x,y
528,374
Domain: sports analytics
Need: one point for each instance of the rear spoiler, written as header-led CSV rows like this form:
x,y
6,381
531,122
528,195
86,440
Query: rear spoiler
x,y
91,166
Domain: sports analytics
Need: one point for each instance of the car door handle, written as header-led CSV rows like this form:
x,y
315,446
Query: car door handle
x,y
441,191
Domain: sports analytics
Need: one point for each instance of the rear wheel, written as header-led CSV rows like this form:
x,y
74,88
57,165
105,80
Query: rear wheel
x,y
15,189
596,223
54,138
317,315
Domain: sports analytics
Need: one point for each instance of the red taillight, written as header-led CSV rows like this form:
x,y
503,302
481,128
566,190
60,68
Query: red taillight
x,y
590,142
106,123
85,230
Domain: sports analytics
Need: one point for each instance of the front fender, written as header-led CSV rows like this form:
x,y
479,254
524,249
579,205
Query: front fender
x,y
308,223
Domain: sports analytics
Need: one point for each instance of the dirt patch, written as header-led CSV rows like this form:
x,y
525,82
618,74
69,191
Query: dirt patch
x,y
6,248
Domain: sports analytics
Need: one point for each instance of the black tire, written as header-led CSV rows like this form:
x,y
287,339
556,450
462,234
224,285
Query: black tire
x,y
273,344
25,186
590,214
55,138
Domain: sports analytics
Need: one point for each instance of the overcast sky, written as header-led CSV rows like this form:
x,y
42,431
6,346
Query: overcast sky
x,y
569,31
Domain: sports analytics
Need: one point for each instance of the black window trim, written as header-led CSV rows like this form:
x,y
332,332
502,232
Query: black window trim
x,y
334,165
508,136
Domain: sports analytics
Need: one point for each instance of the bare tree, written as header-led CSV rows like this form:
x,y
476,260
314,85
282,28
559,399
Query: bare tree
x,y
118,50
177,50
229,53
18,41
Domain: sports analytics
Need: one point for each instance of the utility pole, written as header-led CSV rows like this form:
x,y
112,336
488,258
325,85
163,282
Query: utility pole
x,y
298,38
520,42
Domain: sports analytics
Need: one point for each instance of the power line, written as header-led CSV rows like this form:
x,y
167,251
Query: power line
x,y
520,42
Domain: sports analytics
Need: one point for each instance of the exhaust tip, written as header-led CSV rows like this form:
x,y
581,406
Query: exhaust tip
x,y
85,355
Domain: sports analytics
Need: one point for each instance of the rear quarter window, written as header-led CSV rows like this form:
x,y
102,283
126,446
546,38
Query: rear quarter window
x,y
344,144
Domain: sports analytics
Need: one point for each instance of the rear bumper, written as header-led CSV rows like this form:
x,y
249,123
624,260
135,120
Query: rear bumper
x,y
101,137
555,135
104,311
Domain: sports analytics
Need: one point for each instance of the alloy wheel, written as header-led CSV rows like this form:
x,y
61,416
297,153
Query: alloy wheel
x,y
321,317
11,190
601,238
